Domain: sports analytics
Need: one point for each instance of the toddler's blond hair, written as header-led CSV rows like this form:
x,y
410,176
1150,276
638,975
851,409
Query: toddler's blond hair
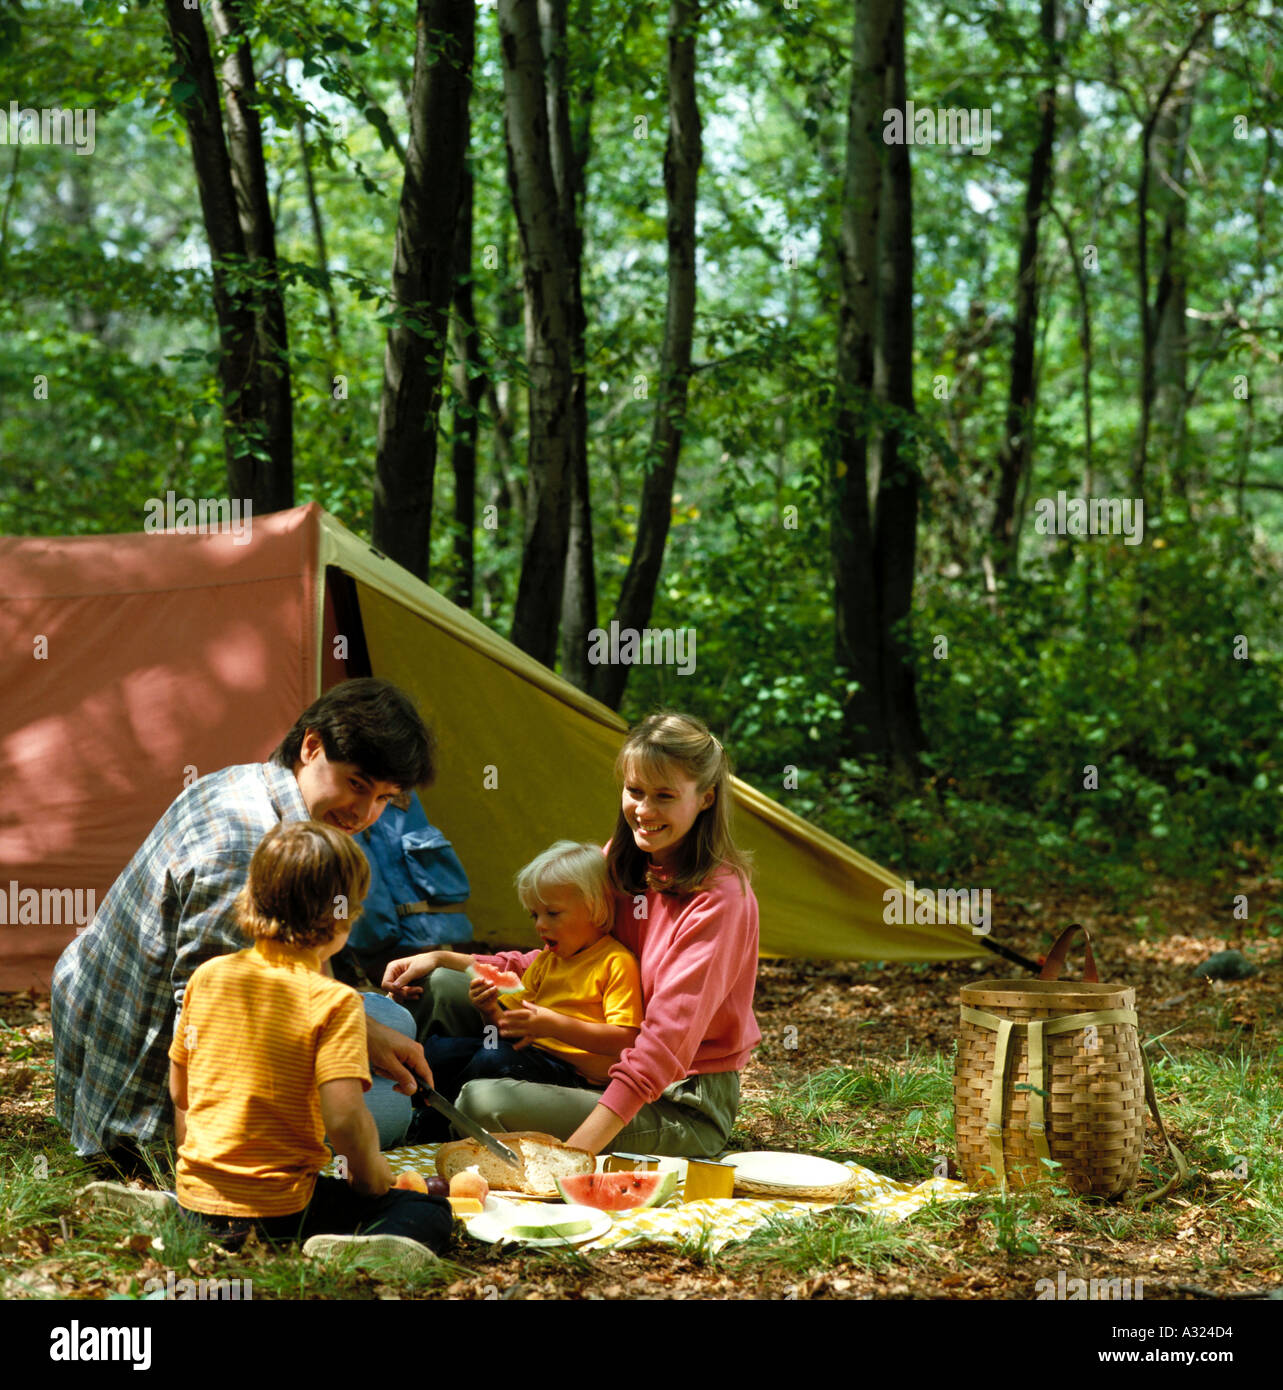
x,y
568,864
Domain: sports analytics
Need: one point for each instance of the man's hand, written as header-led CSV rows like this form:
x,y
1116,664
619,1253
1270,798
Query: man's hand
x,y
394,1055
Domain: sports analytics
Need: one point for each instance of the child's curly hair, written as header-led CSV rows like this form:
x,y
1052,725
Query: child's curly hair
x,y
305,880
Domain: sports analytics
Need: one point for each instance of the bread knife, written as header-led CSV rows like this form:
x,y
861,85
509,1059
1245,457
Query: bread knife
x,y
469,1127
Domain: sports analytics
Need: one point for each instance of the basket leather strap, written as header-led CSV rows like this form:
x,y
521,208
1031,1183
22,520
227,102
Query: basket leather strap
x,y
1038,1029
1056,956
1182,1167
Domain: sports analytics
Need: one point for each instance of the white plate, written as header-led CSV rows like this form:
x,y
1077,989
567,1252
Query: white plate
x,y
495,1224
788,1170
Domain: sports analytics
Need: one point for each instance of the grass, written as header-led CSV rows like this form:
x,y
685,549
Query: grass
x,y
828,1241
892,1115
1228,1110
114,1254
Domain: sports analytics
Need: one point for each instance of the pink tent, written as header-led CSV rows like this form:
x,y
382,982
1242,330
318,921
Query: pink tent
x,y
201,653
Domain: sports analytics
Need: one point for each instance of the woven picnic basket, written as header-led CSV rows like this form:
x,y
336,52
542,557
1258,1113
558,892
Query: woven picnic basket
x,y
1054,1069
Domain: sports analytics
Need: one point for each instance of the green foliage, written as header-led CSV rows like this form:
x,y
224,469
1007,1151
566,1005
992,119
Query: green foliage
x,y
1106,655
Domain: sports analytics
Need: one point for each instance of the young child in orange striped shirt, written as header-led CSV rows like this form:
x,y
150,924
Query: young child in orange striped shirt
x,y
270,1057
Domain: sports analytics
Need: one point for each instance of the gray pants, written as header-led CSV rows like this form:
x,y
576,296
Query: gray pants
x,y
693,1117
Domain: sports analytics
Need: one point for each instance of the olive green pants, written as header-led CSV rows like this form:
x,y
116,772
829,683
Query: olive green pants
x,y
693,1117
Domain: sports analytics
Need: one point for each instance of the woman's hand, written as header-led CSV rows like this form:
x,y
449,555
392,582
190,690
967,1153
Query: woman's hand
x,y
398,977
601,1126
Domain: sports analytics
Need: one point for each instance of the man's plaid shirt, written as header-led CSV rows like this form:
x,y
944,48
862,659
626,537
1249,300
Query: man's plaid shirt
x,y
118,988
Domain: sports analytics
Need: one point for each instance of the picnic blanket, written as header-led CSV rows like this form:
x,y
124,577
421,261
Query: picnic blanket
x,y
719,1221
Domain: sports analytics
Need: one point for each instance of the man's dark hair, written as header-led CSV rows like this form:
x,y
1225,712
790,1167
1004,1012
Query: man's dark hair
x,y
371,723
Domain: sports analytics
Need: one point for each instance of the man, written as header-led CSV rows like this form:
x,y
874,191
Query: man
x,y
118,988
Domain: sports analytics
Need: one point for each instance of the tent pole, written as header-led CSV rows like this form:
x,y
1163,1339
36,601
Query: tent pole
x,y
1008,954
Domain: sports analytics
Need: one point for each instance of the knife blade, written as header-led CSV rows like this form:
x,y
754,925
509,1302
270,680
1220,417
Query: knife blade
x,y
469,1127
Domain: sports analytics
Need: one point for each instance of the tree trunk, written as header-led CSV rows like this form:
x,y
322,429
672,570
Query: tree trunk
x,y
1016,452
10,194
240,381
896,526
272,477
682,155
318,236
1171,343
549,304
851,533
508,496
423,282
569,156
1148,322
470,384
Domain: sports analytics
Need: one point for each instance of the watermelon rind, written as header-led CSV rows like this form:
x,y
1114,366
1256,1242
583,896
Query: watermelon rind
x,y
614,1192
552,1230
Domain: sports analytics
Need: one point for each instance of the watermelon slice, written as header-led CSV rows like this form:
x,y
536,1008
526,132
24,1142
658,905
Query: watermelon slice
x,y
508,982
618,1191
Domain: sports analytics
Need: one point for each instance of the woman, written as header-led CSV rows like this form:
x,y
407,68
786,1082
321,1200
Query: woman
x,y
684,907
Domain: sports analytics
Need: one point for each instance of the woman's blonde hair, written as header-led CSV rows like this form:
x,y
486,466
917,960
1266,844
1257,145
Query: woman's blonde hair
x,y
305,880
568,864
660,745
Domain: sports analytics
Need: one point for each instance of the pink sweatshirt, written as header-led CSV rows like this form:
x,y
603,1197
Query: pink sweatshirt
x,y
698,958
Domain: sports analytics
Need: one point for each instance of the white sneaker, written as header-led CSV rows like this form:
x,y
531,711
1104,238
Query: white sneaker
x,y
382,1253
119,1196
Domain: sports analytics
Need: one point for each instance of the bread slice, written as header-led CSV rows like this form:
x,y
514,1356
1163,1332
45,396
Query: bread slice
x,y
543,1160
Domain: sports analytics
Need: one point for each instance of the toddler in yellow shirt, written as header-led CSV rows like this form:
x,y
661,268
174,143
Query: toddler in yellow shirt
x,y
270,1057
583,1001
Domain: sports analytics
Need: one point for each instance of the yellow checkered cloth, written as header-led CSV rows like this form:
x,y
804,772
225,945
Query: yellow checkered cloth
x,y
719,1221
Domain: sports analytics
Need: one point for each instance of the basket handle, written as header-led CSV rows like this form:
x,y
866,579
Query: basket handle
x,y
1056,956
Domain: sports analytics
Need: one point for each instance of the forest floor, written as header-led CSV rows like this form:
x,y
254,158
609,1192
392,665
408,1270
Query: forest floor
x,y
855,1063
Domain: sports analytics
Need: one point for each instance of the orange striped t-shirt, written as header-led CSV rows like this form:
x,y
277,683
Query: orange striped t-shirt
x,y
260,1031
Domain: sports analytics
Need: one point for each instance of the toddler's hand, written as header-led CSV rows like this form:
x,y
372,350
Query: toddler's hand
x,y
525,1021
483,995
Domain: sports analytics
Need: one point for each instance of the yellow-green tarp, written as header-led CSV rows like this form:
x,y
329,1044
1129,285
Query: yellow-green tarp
x,y
526,758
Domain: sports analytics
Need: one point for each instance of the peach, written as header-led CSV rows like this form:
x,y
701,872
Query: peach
x,y
469,1183
411,1182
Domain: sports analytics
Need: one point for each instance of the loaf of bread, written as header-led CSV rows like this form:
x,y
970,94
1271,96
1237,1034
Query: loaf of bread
x,y
543,1159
